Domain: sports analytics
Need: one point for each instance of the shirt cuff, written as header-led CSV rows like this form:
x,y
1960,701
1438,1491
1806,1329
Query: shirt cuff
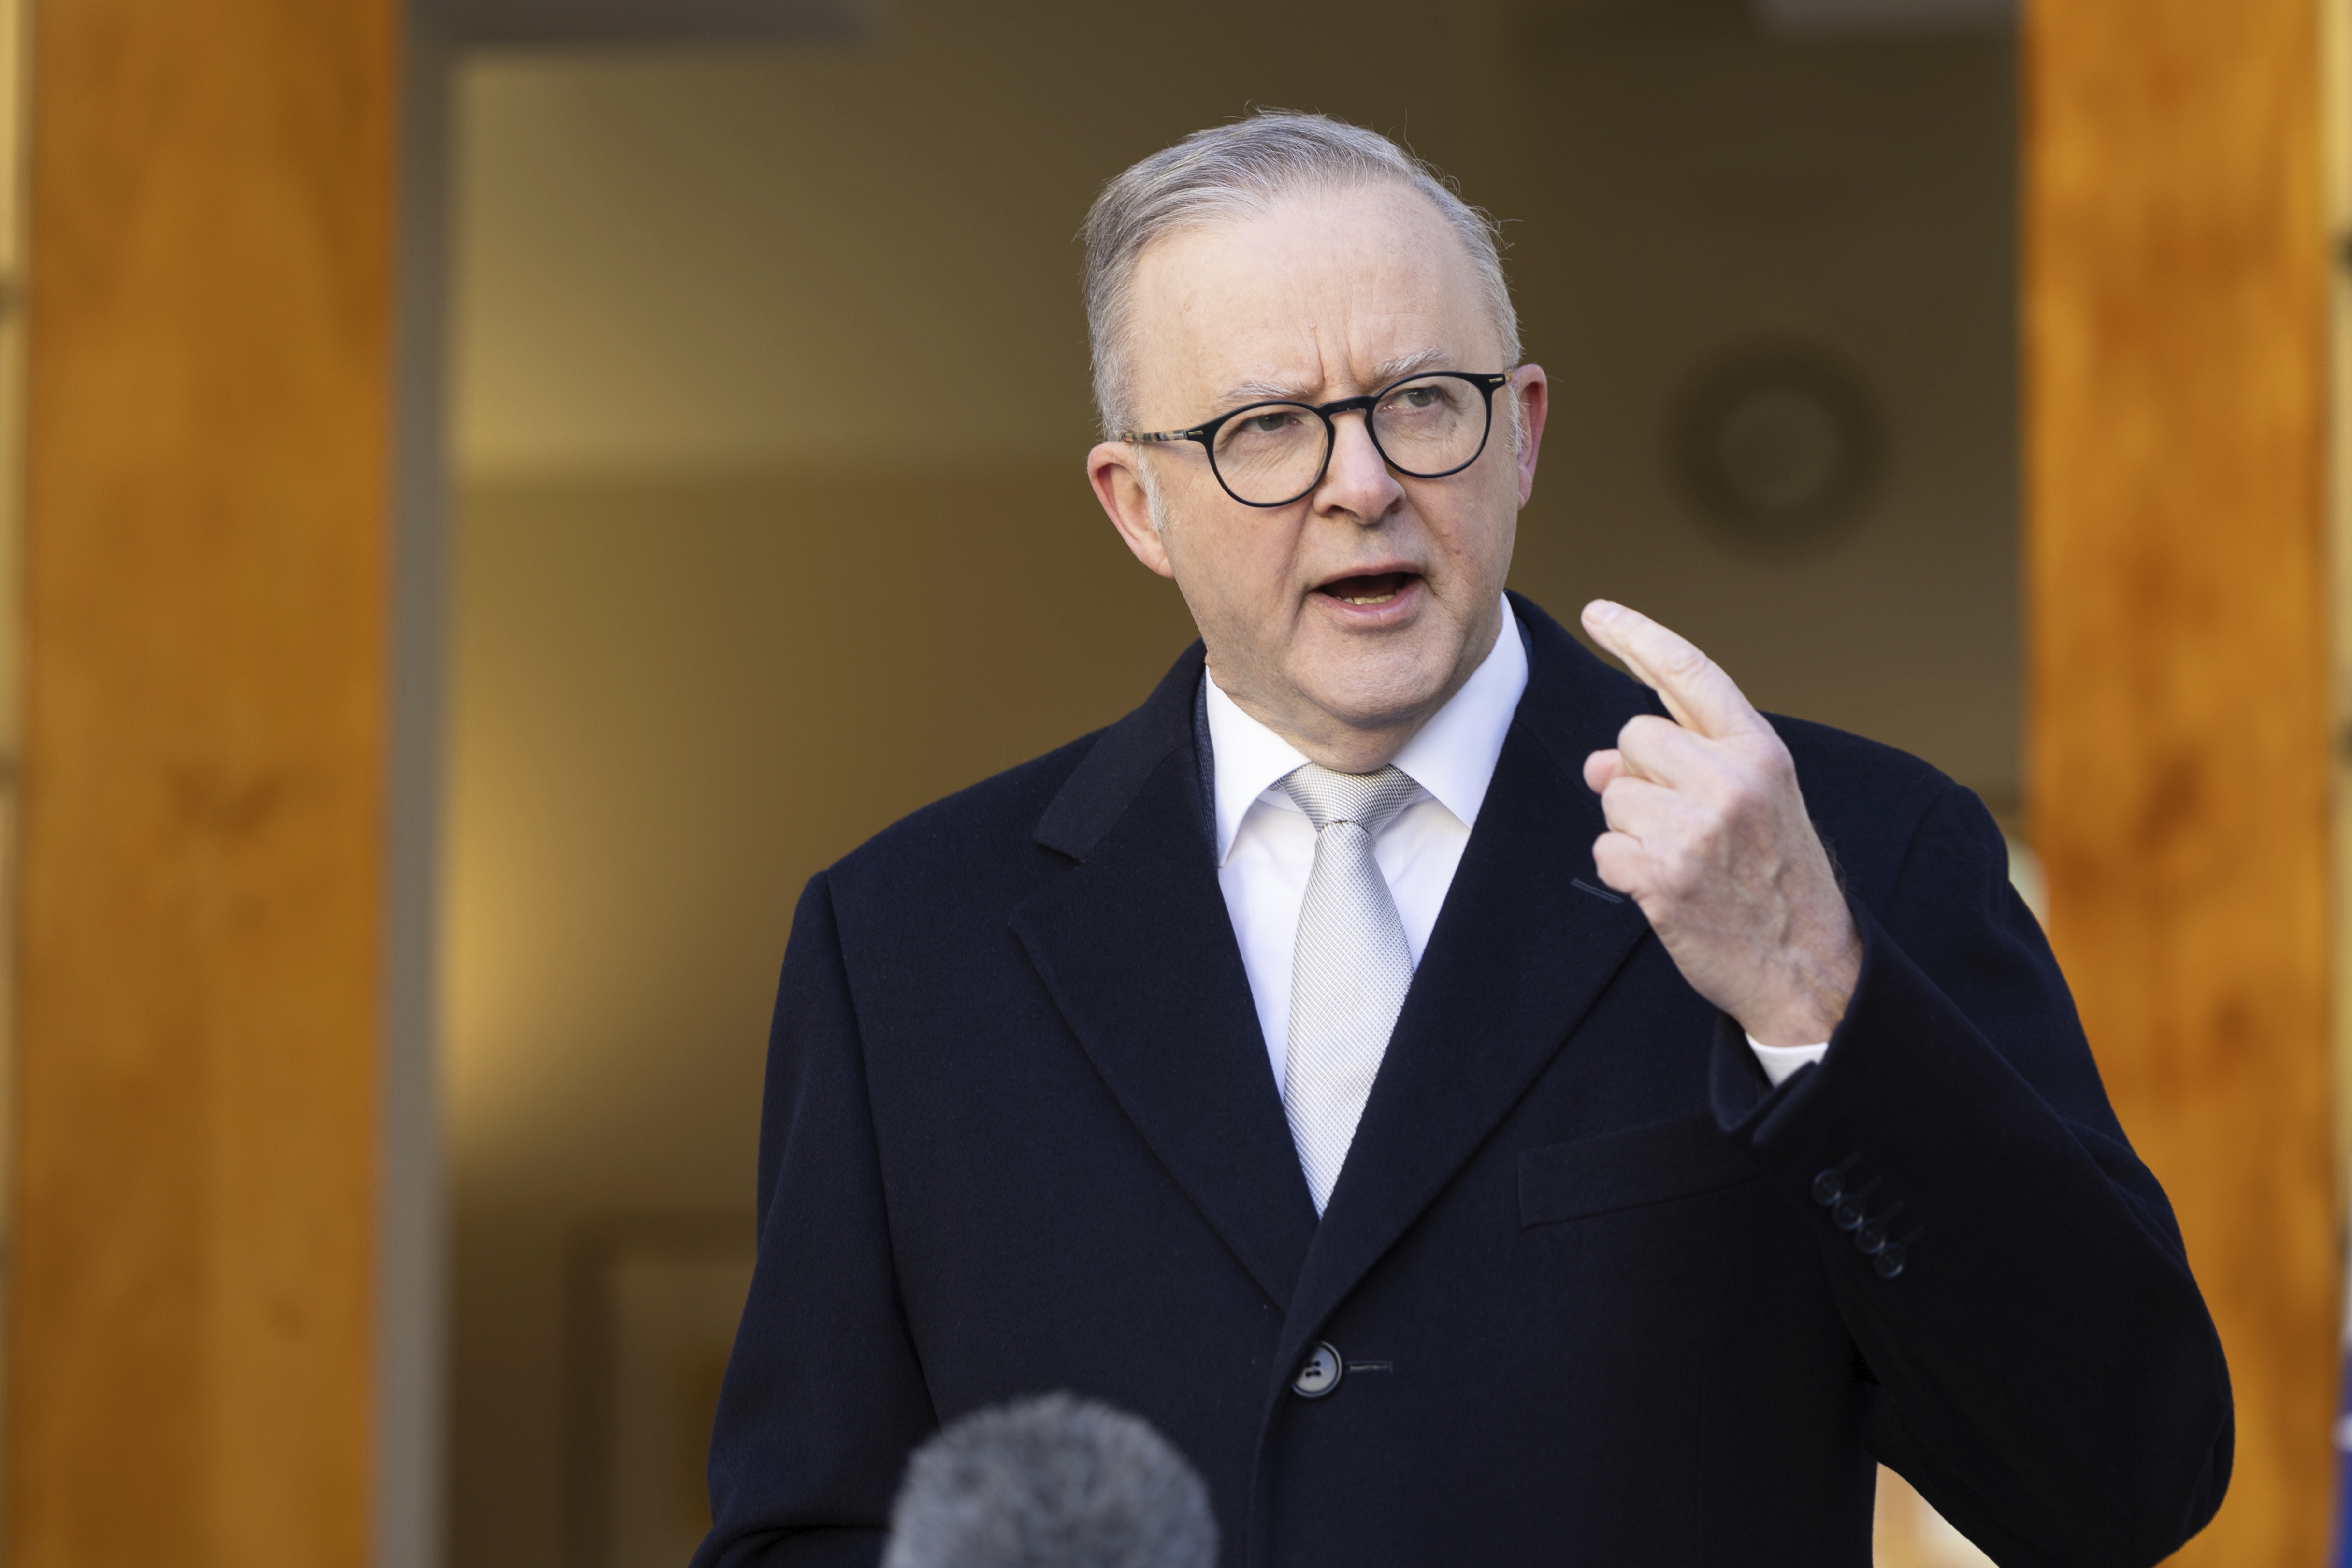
x,y
1779,1060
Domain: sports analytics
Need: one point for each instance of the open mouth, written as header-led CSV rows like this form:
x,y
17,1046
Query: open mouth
x,y
1367,591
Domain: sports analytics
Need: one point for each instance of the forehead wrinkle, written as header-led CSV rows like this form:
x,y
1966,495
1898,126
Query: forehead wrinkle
x,y
1291,318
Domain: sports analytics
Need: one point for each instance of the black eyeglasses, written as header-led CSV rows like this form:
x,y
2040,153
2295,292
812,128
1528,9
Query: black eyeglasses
x,y
1272,454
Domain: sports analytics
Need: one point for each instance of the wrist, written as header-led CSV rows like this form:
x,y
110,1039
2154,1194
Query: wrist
x,y
1816,985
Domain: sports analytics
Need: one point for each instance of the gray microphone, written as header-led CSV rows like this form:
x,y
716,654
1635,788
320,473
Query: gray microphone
x,y
1051,1482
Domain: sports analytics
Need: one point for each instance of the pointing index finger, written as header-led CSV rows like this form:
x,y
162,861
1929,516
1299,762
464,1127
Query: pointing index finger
x,y
1696,690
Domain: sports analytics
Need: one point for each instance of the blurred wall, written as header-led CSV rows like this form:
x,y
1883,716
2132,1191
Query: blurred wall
x,y
771,408
1685,191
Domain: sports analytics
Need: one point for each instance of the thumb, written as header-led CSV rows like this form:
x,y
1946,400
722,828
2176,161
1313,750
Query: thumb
x,y
1603,769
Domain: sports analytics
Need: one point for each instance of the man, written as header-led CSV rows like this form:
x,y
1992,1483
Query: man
x,y
1481,1108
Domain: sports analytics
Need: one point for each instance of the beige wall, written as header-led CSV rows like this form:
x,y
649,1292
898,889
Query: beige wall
x,y
1682,192
772,409
677,700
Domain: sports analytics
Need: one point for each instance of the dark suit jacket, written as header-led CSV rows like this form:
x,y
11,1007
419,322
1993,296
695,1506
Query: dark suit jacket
x,y
1021,1134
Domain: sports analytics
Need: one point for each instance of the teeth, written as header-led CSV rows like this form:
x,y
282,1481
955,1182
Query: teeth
x,y
1377,599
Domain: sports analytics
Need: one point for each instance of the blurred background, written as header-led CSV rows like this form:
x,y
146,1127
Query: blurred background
x,y
681,379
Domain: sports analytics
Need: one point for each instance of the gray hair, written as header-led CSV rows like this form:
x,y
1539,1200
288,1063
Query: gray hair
x,y
1052,1482
1239,170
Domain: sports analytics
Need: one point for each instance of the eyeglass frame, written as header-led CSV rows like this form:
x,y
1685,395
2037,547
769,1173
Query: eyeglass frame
x,y
1487,382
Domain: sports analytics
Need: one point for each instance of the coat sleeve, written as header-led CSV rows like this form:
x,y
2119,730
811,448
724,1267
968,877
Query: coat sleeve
x,y
2036,1357
824,1398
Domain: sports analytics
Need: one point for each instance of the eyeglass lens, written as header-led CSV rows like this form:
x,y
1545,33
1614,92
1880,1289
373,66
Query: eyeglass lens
x,y
1274,452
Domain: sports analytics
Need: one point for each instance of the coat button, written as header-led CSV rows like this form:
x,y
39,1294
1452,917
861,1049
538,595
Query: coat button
x,y
1317,1374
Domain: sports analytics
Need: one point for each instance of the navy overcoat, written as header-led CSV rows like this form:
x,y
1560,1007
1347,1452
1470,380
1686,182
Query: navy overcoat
x,y
1602,1294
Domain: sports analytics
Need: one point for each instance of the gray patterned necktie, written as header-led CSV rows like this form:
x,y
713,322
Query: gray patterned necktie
x,y
1351,969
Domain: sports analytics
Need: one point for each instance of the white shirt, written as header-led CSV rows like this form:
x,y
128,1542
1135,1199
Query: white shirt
x,y
1265,845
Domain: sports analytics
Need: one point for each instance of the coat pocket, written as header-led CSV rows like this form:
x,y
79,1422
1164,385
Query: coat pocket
x,y
1630,1170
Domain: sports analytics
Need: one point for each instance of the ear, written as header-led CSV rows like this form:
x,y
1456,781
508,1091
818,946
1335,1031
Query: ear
x,y
1534,392
1112,469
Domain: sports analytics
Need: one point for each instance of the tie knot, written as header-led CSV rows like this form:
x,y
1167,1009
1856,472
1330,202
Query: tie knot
x,y
1367,800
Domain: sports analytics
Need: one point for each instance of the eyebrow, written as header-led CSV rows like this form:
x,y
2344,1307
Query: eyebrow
x,y
1384,373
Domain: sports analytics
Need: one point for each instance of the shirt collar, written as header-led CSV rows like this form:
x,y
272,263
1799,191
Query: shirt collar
x,y
1452,756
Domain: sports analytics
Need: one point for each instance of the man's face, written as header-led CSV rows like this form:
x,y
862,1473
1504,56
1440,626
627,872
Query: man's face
x,y
1344,619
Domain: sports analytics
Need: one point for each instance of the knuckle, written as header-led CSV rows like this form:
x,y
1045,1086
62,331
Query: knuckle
x,y
1705,845
1719,796
1687,661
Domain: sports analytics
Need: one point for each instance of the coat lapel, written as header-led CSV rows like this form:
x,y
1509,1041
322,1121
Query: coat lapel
x,y
1137,952
1519,955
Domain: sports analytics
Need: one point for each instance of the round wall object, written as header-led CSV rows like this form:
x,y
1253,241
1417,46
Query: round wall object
x,y
1777,449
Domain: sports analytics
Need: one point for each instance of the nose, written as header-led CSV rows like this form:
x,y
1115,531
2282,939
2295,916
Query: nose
x,y
1357,484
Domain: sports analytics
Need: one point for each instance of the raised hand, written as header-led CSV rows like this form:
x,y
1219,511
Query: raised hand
x,y
1708,833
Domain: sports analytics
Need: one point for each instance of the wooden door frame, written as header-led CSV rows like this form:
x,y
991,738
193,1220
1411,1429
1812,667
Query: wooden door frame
x,y
2179,701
